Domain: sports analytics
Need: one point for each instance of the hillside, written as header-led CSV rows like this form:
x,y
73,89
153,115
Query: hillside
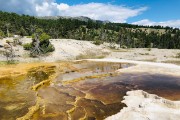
x,y
82,28
81,18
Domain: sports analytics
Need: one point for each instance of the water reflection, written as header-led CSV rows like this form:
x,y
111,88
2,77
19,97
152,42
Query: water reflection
x,y
86,68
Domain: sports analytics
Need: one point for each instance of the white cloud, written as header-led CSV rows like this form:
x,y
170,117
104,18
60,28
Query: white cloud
x,y
144,22
102,11
62,6
171,23
98,11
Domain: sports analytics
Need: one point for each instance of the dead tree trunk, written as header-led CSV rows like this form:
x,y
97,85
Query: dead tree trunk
x,y
7,28
36,50
9,52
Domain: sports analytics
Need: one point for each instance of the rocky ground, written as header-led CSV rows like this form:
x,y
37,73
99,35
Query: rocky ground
x,y
68,49
65,49
140,105
147,54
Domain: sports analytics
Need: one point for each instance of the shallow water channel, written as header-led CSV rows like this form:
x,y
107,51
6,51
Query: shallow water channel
x,y
76,90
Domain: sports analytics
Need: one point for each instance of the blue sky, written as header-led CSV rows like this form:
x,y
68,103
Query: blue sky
x,y
158,10
143,12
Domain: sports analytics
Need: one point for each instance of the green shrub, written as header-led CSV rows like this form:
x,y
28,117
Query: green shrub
x,y
124,46
2,35
27,46
29,36
97,42
45,44
22,32
49,48
44,37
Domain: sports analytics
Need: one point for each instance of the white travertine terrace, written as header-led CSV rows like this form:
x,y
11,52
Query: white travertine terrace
x,y
144,106
145,67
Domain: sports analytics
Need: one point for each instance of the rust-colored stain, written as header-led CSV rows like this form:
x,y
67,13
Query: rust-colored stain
x,y
74,90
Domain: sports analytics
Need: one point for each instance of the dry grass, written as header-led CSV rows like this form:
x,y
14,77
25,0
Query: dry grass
x,y
178,55
1,51
92,55
148,49
176,62
144,53
119,50
150,60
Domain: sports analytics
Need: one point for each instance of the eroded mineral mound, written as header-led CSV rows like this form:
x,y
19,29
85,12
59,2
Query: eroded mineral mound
x,y
144,106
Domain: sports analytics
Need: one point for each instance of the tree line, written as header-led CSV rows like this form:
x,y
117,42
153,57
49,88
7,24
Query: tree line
x,y
126,35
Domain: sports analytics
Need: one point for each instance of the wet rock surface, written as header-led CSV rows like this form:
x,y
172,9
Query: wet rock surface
x,y
79,90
